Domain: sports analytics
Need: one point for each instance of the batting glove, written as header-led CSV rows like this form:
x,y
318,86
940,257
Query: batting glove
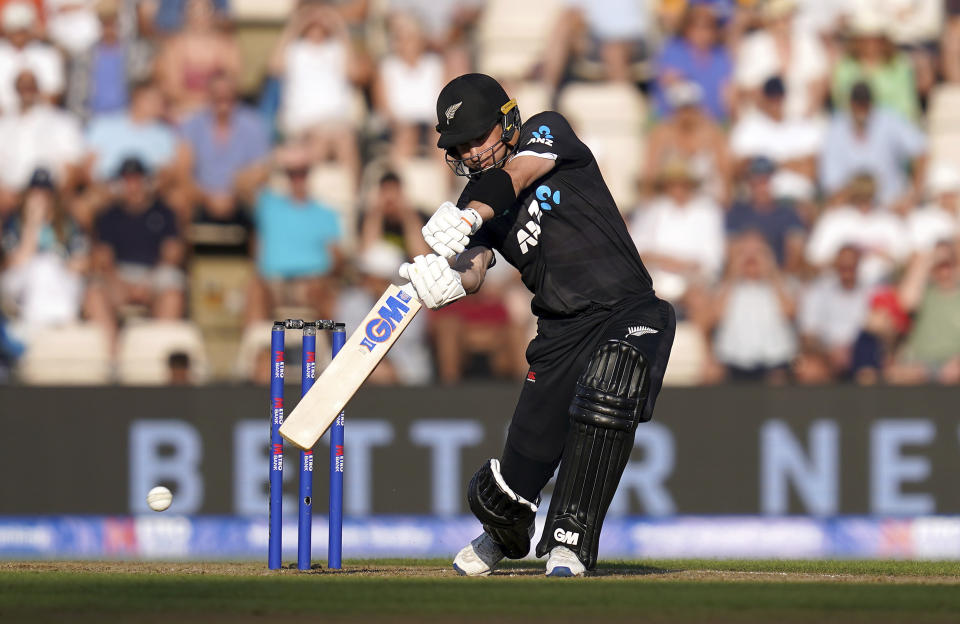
x,y
449,229
436,283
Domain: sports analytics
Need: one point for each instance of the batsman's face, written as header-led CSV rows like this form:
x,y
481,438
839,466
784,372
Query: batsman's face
x,y
483,151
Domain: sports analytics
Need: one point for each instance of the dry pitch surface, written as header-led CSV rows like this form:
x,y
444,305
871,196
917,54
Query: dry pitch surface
x,y
672,592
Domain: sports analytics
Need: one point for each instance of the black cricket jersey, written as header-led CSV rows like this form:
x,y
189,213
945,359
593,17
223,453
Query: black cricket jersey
x,y
564,233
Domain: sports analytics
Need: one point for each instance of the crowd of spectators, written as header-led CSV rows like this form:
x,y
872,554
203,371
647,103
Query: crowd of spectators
x,y
787,201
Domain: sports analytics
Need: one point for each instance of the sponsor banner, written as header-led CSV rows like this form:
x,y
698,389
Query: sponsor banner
x,y
737,450
172,537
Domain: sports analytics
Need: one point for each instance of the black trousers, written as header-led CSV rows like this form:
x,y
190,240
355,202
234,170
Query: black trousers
x,y
557,357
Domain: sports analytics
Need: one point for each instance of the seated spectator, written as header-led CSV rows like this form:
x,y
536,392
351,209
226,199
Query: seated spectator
x,y
10,348
873,59
872,140
169,16
47,257
138,132
21,50
192,58
315,60
39,136
221,144
832,312
793,143
72,24
691,136
680,236
407,79
696,55
408,362
616,28
390,218
753,310
884,327
882,236
781,48
448,26
774,218
298,239
950,42
930,289
939,219
139,252
98,75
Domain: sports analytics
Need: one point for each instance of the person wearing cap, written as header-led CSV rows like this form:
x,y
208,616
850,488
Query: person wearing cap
x,y
138,251
389,216
939,218
690,135
766,131
22,49
871,139
535,195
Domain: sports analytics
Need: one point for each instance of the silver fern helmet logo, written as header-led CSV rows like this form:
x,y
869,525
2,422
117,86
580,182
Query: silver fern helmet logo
x,y
452,110
639,330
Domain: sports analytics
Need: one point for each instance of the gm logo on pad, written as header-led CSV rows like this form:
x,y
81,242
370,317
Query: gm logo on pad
x,y
380,329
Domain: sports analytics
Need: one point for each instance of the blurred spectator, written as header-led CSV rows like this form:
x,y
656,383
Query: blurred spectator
x,y
611,30
139,251
298,240
939,219
47,257
316,62
873,58
753,310
448,26
222,143
10,348
390,218
73,25
793,143
22,50
832,312
170,15
408,80
680,236
408,362
872,140
192,59
774,219
40,135
884,326
950,42
914,26
691,136
99,75
139,132
930,289
782,49
178,367
881,235
696,55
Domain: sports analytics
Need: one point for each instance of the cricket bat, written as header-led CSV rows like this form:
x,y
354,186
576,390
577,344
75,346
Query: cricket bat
x,y
341,379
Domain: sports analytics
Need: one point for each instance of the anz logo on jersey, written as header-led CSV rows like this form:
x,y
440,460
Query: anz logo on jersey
x,y
545,199
542,135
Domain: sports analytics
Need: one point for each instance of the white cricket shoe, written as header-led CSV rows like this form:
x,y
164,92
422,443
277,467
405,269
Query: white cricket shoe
x,y
562,562
479,557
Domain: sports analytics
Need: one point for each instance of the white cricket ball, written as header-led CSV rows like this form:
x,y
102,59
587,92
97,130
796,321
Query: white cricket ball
x,y
159,498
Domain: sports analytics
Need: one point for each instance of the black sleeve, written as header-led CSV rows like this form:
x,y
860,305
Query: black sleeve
x,y
549,135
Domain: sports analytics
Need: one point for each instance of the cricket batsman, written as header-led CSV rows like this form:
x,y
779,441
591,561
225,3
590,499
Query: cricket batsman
x,y
535,194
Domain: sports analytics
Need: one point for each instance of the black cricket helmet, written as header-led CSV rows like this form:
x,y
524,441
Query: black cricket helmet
x,y
468,108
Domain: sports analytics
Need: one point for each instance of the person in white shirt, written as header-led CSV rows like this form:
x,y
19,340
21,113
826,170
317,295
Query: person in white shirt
x,y
39,136
766,131
680,234
939,219
20,50
881,235
781,49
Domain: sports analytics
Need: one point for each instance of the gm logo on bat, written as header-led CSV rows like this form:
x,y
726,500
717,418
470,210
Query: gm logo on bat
x,y
379,329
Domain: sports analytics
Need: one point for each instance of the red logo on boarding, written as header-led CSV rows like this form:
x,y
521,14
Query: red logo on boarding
x,y
532,376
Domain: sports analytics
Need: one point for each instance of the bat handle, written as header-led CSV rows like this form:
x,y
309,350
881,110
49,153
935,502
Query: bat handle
x,y
410,290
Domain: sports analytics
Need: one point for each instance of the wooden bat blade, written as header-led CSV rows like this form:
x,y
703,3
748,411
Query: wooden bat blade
x,y
367,345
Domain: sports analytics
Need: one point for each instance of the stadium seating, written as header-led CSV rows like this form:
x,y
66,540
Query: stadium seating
x,y
145,348
76,354
513,35
687,358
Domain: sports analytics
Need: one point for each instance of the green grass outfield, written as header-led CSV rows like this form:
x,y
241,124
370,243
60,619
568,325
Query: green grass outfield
x,y
675,591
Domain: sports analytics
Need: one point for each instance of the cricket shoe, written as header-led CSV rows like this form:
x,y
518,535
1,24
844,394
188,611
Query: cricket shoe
x,y
479,557
562,562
